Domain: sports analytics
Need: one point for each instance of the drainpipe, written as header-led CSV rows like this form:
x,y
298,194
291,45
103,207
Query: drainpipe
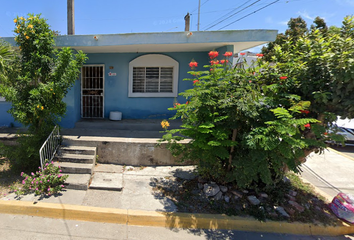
x,y
71,17
187,22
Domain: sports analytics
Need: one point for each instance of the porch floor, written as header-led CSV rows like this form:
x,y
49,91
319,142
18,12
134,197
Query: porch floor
x,y
126,128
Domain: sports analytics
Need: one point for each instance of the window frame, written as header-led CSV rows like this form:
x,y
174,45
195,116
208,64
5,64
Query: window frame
x,y
154,60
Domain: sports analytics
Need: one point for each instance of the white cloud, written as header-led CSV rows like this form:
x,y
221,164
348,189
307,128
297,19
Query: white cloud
x,y
306,15
284,23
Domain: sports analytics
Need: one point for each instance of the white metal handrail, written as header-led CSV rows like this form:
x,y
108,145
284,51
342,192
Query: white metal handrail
x,y
50,146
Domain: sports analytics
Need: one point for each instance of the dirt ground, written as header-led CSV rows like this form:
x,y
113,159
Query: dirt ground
x,y
8,178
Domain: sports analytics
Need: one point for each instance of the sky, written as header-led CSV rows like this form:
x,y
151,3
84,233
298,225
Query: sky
x,y
117,16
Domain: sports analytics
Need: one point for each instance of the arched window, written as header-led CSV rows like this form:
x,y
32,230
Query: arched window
x,y
153,75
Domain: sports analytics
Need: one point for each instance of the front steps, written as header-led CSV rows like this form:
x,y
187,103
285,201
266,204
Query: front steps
x,y
77,162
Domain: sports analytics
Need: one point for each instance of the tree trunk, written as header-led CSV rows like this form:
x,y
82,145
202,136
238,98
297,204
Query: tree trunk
x,y
234,134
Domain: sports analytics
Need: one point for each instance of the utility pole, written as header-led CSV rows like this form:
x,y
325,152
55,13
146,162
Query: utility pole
x,y
71,17
198,14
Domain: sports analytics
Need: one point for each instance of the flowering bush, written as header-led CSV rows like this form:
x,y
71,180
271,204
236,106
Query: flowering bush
x,y
46,181
35,83
247,125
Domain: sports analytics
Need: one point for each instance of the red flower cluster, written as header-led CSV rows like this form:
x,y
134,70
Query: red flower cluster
x,y
195,81
214,62
228,54
224,61
307,125
283,77
242,54
193,64
305,111
213,54
259,55
176,104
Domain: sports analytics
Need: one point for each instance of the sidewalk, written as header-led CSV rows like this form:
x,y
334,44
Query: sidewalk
x,y
138,205
136,194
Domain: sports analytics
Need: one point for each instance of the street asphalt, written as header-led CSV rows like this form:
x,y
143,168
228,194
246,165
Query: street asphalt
x,y
330,173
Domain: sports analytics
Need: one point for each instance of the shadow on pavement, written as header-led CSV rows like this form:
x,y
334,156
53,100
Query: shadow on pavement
x,y
192,221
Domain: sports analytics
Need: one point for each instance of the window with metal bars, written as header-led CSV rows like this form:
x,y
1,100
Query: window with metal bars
x,y
153,79
153,75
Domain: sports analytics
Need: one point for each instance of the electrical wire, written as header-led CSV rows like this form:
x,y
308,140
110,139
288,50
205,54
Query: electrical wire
x,y
226,15
250,14
200,6
233,14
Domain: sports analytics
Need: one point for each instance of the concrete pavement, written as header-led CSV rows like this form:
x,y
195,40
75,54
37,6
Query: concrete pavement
x,y
331,172
138,205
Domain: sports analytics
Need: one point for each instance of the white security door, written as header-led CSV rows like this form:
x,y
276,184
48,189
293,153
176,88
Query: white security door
x,y
92,91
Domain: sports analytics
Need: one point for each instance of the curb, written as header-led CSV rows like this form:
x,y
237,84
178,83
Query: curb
x,y
342,154
166,219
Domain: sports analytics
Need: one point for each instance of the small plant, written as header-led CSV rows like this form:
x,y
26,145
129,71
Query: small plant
x,y
46,181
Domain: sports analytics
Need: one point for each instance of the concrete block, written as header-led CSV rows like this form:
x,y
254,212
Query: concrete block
x,y
107,181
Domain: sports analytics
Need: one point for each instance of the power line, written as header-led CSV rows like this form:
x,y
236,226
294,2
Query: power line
x,y
225,15
250,14
233,14
200,5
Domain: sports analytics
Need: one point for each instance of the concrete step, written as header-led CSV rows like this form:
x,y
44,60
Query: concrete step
x,y
78,168
78,150
75,158
78,181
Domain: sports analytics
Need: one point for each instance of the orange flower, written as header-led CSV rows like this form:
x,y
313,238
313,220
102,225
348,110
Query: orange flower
x,y
228,54
325,133
305,111
213,54
242,54
15,20
27,37
30,26
195,81
259,55
283,77
224,61
307,125
193,64
214,62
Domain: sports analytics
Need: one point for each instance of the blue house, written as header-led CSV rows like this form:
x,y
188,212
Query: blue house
x,y
139,74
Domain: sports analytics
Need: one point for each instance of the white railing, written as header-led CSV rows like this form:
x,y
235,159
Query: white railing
x,y
50,146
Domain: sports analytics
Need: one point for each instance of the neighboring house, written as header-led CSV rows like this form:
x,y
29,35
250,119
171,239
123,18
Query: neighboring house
x,y
140,74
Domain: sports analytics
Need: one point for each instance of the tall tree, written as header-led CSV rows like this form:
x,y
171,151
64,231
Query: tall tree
x,y
297,28
37,83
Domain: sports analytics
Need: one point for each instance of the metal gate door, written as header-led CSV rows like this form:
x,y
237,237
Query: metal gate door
x,y
92,87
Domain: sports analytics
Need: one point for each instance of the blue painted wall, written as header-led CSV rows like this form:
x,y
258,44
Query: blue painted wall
x,y
116,88
5,118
